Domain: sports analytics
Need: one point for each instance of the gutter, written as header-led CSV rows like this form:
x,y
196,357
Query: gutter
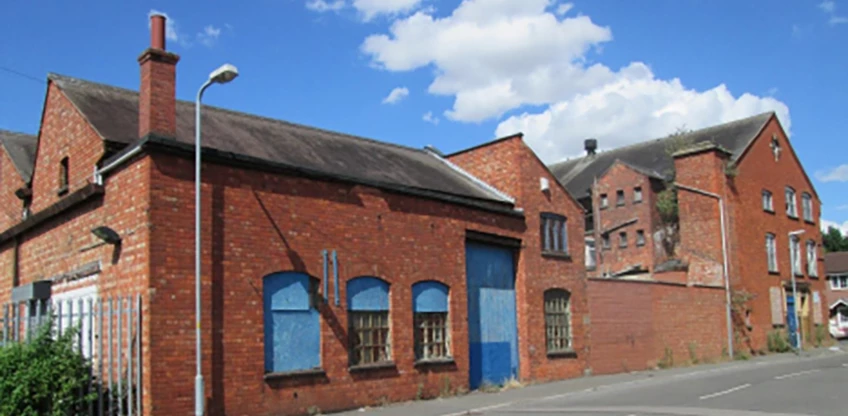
x,y
117,161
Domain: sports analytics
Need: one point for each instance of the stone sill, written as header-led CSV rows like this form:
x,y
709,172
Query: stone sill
x,y
314,372
556,255
373,367
563,354
434,362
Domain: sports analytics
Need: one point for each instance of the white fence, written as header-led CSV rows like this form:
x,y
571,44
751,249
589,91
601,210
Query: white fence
x,y
109,337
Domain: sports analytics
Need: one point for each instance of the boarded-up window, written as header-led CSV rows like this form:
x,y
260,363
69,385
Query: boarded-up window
x,y
368,313
432,334
776,299
817,308
558,320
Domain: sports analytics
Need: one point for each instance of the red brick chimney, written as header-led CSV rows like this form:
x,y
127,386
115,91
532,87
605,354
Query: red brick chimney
x,y
157,99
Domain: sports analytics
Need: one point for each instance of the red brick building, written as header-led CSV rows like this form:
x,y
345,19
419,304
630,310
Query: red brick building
x,y
337,271
770,218
836,269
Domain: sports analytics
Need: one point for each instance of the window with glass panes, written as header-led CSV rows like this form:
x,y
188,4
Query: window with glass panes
x,y
558,321
554,233
430,313
368,317
812,259
637,194
768,202
791,203
807,206
795,251
771,252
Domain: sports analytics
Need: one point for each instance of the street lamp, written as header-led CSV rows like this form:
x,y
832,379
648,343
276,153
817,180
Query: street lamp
x,y
224,74
794,257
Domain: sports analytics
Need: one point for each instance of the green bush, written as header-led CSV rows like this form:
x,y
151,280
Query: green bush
x,y
43,376
821,335
778,341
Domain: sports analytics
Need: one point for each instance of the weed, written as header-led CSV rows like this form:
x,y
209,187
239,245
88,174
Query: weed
x,y
667,361
778,341
447,388
419,394
512,383
693,352
313,410
383,401
742,356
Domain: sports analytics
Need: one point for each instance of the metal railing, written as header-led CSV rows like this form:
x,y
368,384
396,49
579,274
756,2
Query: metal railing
x,y
108,336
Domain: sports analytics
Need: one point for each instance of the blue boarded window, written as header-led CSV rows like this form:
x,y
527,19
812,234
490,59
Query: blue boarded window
x,y
368,320
432,332
292,330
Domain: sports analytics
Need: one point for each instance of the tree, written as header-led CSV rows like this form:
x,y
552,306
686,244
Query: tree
x,y
833,240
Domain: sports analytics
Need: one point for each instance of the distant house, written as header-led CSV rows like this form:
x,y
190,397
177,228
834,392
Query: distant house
x,y
836,268
771,218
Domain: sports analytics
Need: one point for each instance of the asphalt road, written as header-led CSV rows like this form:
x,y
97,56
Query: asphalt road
x,y
813,384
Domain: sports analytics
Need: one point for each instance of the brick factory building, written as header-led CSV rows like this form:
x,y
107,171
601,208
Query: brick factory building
x,y
339,271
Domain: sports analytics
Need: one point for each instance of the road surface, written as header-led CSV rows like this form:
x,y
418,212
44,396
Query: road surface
x,y
782,385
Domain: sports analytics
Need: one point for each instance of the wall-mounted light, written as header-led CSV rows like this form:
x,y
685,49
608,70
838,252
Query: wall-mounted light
x,y
107,234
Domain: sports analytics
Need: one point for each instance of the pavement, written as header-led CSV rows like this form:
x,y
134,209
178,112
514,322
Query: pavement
x,y
810,383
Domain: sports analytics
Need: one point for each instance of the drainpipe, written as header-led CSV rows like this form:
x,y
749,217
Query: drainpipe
x,y
724,258
98,173
16,278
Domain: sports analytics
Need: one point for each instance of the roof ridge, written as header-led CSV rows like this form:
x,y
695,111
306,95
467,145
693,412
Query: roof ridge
x,y
18,133
668,136
60,77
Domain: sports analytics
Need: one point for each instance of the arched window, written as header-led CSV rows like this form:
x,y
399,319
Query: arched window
x,y
558,321
368,320
292,331
791,203
432,329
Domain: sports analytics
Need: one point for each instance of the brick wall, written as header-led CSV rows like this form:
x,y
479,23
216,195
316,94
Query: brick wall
x,y
259,223
512,167
757,171
65,243
620,177
634,322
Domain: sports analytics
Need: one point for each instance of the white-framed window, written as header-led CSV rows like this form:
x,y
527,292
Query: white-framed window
x,y
637,194
604,201
795,255
791,203
771,252
768,201
590,254
554,233
807,206
812,259
839,282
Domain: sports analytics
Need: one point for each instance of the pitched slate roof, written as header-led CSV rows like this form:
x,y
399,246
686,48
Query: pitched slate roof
x,y
836,263
650,157
113,112
21,149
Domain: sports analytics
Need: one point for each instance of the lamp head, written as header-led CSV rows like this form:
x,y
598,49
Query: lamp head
x,y
107,234
224,74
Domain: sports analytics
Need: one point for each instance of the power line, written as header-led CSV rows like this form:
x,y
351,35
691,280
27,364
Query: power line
x,y
21,74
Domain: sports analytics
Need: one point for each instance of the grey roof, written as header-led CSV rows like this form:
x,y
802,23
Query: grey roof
x,y
836,263
21,149
113,112
650,157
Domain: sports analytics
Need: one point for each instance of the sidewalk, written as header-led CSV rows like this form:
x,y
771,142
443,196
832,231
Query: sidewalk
x,y
477,402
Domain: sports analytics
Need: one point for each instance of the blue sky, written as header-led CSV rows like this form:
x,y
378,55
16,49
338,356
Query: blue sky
x,y
464,72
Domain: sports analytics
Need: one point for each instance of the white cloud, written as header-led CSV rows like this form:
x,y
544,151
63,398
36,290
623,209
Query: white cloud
x,y
428,117
372,8
209,35
562,9
496,56
829,7
396,95
325,6
170,25
825,224
837,174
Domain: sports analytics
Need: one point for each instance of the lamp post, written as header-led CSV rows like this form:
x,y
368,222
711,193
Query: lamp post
x,y
224,74
794,257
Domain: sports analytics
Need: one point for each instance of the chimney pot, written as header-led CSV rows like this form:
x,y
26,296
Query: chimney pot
x,y
591,146
157,31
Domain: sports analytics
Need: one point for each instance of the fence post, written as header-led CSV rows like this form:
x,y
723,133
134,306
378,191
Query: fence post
x,y
129,357
109,367
100,357
120,353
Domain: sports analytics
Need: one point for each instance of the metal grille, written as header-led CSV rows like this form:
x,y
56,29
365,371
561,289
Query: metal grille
x,y
109,337
431,335
370,341
557,320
